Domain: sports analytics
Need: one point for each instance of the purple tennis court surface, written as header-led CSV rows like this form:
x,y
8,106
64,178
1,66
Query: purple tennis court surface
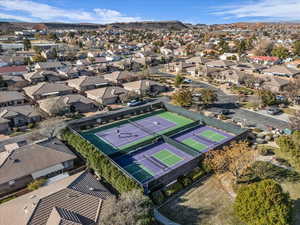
x,y
129,133
194,134
144,157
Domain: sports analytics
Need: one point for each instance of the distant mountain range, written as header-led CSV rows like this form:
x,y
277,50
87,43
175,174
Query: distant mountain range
x,y
10,25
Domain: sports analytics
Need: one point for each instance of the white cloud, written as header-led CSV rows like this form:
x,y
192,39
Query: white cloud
x,y
276,9
14,17
43,12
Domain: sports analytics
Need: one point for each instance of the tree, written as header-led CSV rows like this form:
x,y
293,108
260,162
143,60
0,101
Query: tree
x,y
132,208
27,44
280,52
235,159
208,96
267,97
263,203
36,184
38,58
178,80
241,46
295,121
182,97
296,47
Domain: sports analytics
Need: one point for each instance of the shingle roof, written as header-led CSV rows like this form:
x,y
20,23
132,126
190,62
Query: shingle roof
x,y
6,96
43,88
106,92
11,111
34,157
83,81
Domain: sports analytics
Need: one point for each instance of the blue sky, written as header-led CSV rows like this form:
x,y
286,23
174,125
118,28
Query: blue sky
x,y
108,11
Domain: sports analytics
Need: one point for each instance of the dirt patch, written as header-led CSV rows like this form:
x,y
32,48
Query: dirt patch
x,y
206,203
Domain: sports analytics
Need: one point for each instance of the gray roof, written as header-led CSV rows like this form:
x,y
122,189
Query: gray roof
x,y
44,88
33,157
12,111
7,96
84,81
62,101
49,65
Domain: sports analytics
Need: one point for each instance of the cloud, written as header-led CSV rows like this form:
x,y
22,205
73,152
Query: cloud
x,y
14,17
34,11
276,9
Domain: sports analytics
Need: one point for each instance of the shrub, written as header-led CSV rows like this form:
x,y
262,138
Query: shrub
x,y
196,174
185,181
100,163
173,188
265,151
263,203
36,184
289,148
158,197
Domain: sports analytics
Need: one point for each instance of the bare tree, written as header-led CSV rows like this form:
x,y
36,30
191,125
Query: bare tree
x,y
132,208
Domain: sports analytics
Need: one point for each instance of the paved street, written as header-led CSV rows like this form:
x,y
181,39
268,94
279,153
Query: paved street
x,y
260,120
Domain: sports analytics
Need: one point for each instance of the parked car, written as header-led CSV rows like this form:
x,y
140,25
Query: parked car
x,y
273,111
135,103
187,81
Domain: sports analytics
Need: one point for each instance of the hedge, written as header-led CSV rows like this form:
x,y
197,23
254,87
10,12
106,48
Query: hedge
x,y
100,163
173,188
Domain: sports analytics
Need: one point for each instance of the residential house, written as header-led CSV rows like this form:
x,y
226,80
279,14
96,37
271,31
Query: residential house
x,y
84,83
48,65
231,77
229,56
45,90
275,84
145,86
13,83
282,70
79,199
19,116
43,75
69,72
107,95
21,164
120,77
11,98
266,60
66,104
249,67
13,70
12,60
220,64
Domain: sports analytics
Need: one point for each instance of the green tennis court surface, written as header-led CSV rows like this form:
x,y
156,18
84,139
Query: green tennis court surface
x,y
168,158
212,135
139,172
195,144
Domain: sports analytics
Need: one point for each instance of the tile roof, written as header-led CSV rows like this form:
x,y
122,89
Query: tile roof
x,y
83,81
44,87
11,69
57,204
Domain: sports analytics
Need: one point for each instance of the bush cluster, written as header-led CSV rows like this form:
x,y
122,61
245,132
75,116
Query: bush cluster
x,y
100,163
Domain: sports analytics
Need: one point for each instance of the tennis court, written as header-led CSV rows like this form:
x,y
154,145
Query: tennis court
x,y
212,135
195,144
153,161
125,134
166,157
140,172
202,138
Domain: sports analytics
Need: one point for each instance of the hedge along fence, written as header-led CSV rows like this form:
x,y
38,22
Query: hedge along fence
x,y
100,163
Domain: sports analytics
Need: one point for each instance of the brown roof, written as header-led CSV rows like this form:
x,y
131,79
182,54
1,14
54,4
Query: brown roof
x,y
282,69
106,92
11,69
12,111
141,84
74,200
120,75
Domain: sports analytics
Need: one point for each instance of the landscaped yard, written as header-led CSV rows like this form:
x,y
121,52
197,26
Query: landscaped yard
x,y
207,204
294,190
